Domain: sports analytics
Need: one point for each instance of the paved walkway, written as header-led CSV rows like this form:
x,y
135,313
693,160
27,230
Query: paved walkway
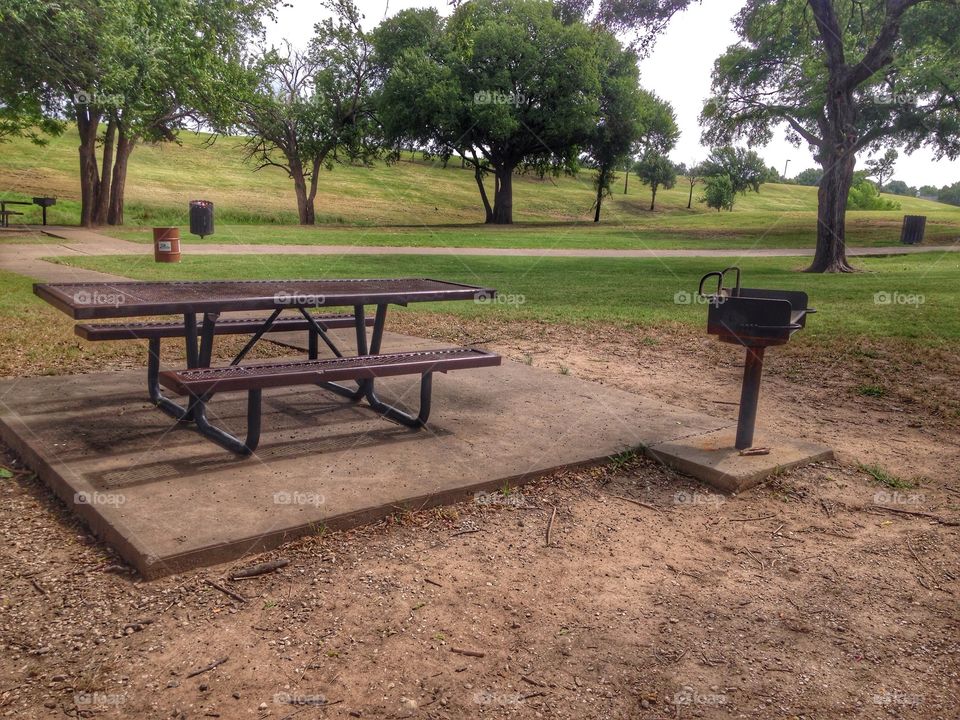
x,y
27,259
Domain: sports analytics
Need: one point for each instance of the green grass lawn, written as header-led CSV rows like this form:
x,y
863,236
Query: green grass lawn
x,y
422,203
631,292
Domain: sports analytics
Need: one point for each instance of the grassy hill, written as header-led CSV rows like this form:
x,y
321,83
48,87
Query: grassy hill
x,y
420,202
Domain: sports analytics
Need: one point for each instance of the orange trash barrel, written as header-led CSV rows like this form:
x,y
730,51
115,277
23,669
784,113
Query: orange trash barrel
x,y
166,244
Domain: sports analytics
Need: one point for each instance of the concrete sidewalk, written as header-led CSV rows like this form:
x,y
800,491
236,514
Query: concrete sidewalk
x,y
27,259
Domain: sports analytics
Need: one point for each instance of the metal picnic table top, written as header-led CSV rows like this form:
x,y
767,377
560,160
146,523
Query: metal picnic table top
x,y
90,301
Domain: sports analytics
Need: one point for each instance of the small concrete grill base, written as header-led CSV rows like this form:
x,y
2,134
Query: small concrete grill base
x,y
169,500
712,458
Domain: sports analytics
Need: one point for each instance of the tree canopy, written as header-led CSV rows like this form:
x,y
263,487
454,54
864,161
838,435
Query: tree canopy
x,y
124,70
503,83
306,110
843,76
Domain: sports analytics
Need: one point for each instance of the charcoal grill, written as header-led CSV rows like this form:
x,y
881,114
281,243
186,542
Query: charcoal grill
x,y
45,202
753,318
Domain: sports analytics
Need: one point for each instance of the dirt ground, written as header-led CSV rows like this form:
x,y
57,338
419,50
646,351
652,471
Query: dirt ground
x,y
625,591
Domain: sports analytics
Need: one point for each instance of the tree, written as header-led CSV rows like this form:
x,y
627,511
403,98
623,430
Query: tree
x,y
949,194
657,171
307,110
507,86
718,193
659,131
928,191
694,175
744,167
882,167
844,77
810,177
864,195
618,126
125,71
899,187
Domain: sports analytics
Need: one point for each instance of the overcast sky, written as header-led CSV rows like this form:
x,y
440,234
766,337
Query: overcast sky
x,y
678,70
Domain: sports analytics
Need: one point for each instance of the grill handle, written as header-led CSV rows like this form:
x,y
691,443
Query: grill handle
x,y
719,274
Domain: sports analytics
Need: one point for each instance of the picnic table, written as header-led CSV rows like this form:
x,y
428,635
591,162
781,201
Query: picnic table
x,y
199,382
5,214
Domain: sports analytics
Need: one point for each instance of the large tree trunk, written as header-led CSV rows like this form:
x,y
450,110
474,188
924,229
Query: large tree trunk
x,y
88,122
653,196
838,158
690,199
305,210
103,193
503,196
125,145
601,183
478,176
831,253
626,177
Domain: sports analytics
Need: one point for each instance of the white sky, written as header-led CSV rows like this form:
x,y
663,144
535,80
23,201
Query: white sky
x,y
678,70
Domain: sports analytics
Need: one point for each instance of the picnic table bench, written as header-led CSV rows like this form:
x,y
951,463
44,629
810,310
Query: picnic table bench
x,y
199,382
5,214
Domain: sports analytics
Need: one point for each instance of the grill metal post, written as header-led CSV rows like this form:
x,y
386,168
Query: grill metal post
x,y
749,397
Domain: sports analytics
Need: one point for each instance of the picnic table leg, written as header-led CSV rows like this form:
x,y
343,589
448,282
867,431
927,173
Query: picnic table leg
x,y
376,404
317,331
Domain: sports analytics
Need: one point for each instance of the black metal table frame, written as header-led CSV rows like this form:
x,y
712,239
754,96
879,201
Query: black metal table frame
x,y
3,206
199,348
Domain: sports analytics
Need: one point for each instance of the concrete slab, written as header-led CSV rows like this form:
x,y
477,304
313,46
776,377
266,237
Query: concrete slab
x,y
168,500
711,458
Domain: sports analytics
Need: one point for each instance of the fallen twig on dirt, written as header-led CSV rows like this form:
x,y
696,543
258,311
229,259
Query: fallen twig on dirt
x,y
432,582
468,531
930,516
636,502
208,668
261,569
750,519
553,516
39,588
226,591
468,653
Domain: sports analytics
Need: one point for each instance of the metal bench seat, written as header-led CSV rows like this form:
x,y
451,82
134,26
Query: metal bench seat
x,y
225,326
201,383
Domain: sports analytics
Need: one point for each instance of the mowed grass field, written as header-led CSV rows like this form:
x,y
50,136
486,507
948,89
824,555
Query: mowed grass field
x,y
418,202
911,298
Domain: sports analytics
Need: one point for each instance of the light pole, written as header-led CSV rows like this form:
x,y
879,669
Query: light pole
x,y
785,168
